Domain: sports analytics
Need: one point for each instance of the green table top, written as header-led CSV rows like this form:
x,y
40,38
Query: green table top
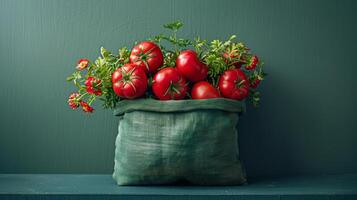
x,y
55,186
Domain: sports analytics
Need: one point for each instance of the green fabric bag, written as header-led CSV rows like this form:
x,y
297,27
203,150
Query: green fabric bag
x,y
162,142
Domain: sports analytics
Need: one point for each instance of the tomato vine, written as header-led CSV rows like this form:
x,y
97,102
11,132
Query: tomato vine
x,y
218,55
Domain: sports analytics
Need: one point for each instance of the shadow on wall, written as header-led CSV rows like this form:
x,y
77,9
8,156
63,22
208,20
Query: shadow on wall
x,y
270,136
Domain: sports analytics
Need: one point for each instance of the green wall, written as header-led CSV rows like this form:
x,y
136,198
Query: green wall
x,y
306,123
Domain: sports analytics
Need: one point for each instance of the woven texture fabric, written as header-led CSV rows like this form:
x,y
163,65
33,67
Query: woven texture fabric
x,y
162,142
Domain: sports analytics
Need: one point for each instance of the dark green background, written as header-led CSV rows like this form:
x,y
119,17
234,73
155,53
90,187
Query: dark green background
x,y
306,123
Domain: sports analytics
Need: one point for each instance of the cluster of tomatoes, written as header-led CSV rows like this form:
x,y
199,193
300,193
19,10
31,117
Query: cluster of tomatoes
x,y
188,78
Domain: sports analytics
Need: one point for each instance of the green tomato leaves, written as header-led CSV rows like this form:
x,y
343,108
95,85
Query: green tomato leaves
x,y
174,26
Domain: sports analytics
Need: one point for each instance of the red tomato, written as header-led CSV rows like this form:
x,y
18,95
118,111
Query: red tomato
x,y
233,84
147,55
129,81
204,90
191,67
168,83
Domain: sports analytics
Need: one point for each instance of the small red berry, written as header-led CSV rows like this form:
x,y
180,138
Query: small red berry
x,y
255,60
73,100
86,107
93,86
82,64
254,83
250,67
253,63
